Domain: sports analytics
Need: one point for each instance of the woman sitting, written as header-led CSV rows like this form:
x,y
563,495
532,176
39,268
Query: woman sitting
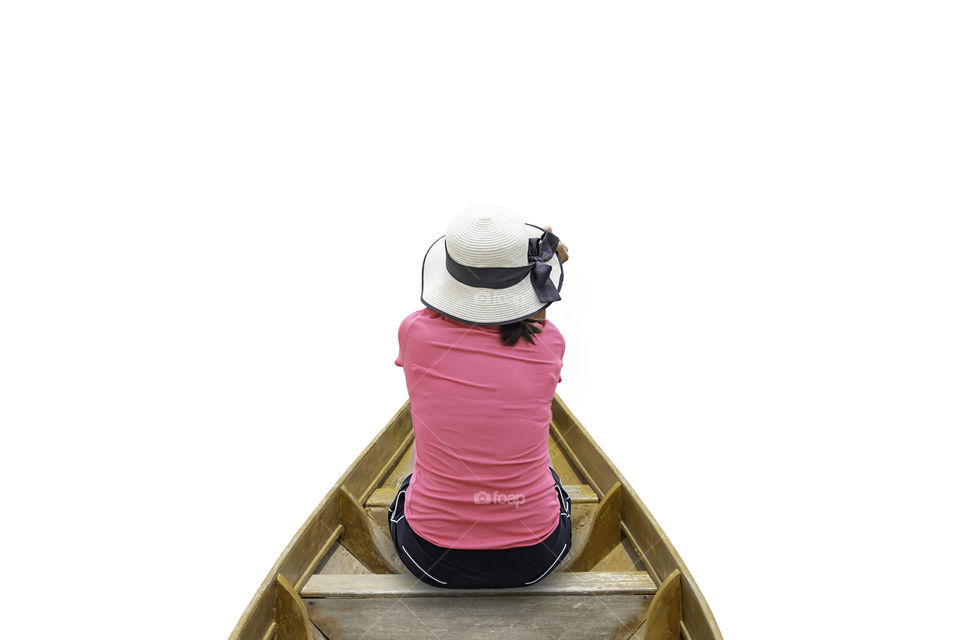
x,y
483,508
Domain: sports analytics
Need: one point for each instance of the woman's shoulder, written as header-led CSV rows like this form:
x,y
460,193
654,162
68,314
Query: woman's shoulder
x,y
550,328
424,317
403,333
551,333
411,319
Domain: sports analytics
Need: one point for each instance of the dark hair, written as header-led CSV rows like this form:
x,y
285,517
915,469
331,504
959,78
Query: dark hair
x,y
511,333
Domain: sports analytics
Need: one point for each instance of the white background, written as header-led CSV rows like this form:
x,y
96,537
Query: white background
x,y
213,218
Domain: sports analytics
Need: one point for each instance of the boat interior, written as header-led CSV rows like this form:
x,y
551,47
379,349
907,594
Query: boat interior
x,y
340,577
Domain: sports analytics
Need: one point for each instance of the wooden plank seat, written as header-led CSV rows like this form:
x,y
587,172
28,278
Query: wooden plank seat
x,y
591,541
383,497
583,499
386,606
404,585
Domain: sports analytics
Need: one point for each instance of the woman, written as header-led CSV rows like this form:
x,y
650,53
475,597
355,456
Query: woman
x,y
483,508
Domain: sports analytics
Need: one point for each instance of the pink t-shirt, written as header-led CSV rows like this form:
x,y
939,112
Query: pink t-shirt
x,y
481,418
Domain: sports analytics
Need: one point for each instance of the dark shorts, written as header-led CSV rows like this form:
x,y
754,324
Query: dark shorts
x,y
480,568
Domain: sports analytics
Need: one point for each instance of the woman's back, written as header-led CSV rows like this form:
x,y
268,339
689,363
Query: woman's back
x,y
481,414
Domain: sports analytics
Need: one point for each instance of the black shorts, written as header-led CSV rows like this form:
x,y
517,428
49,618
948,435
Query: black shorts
x,y
480,568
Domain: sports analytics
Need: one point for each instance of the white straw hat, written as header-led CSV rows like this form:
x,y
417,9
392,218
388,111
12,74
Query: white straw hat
x,y
491,268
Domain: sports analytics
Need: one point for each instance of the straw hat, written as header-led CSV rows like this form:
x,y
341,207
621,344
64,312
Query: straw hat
x,y
491,268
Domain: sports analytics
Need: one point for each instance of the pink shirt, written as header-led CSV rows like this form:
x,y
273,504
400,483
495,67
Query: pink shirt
x,y
481,418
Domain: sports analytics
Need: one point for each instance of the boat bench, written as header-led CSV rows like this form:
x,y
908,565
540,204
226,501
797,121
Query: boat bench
x,y
582,500
596,527
383,497
388,606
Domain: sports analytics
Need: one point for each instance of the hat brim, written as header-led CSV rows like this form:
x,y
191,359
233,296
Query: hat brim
x,y
444,294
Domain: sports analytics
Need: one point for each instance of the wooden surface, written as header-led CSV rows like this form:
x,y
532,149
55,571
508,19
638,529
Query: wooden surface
x,y
290,614
623,557
510,617
339,561
323,552
406,586
603,535
393,471
581,493
560,462
665,613
364,538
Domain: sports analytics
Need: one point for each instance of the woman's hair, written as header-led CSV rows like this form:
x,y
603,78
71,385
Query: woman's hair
x,y
511,333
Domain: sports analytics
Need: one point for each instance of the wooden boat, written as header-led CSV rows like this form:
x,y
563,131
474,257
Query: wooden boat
x,y
340,578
